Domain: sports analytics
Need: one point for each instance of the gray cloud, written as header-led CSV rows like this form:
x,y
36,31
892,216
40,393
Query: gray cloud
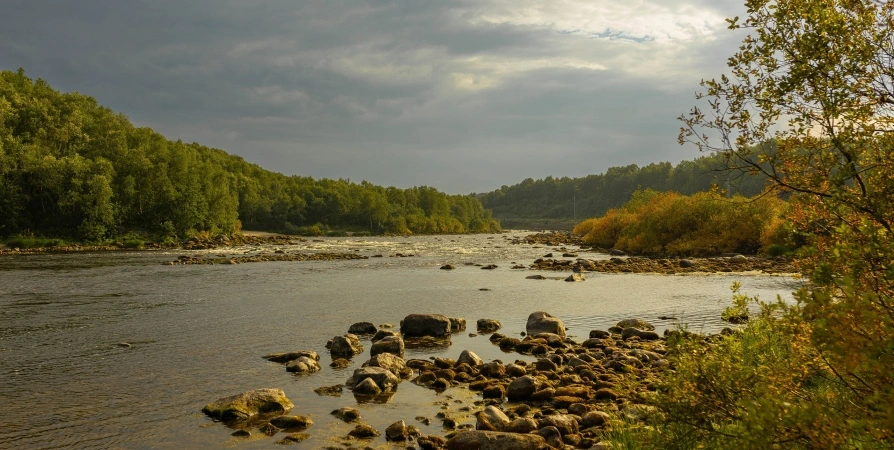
x,y
465,95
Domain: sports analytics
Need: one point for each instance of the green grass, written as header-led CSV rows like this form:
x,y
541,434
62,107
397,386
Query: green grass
x,y
34,242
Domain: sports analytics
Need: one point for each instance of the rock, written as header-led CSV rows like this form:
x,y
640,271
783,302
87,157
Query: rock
x,y
521,425
627,333
293,438
575,277
397,431
496,391
457,324
495,440
546,364
431,442
470,358
419,325
291,356
521,388
616,252
363,328
334,391
515,370
565,423
367,387
345,346
381,334
389,344
340,363
635,323
535,277
363,431
303,365
346,414
291,422
448,267
241,433
389,361
269,429
552,436
382,377
541,322
489,267
493,369
488,325
495,416
594,419
738,259
599,334
605,394
687,263
247,404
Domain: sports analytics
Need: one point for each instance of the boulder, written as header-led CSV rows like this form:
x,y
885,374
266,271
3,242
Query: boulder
x,y
575,277
457,324
291,422
393,363
628,333
247,404
687,263
495,440
346,414
291,356
367,387
419,325
738,259
594,419
363,328
636,323
495,416
521,388
363,431
470,358
552,436
303,365
521,425
535,277
383,378
345,346
389,344
448,267
542,322
565,423
381,334
397,431
488,325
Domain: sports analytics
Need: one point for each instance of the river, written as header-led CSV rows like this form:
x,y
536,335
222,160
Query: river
x,y
197,333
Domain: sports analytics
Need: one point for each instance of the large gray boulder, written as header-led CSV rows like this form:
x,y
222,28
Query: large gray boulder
x,y
388,344
383,378
247,404
495,440
419,325
345,346
542,322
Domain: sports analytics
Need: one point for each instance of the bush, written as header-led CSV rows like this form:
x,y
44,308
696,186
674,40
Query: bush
x,y
34,242
134,243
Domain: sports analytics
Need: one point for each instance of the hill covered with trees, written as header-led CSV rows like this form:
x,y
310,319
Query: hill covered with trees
x,y
72,168
594,195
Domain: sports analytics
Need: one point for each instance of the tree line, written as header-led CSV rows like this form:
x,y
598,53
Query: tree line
x,y
72,168
594,195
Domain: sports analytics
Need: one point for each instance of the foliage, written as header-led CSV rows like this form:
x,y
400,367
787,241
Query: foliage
x,y
594,195
705,223
69,167
34,242
808,106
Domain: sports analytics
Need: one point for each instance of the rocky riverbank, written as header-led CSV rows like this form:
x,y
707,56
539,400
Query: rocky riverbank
x,y
194,243
561,394
735,263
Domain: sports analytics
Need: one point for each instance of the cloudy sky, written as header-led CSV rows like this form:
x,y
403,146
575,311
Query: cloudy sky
x,y
461,95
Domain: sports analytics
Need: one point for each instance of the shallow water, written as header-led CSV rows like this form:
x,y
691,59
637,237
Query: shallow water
x,y
197,333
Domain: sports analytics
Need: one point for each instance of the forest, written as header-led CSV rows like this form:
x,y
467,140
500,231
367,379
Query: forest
x,y
594,195
72,168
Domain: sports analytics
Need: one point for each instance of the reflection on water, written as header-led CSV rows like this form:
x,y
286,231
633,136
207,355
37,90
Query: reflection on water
x,y
197,333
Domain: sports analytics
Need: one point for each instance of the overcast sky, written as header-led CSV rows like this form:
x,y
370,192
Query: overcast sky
x,y
460,95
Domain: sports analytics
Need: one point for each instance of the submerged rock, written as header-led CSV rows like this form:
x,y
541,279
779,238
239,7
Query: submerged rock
x,y
247,404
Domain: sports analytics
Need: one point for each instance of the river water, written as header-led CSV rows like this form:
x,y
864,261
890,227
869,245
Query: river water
x,y
197,333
